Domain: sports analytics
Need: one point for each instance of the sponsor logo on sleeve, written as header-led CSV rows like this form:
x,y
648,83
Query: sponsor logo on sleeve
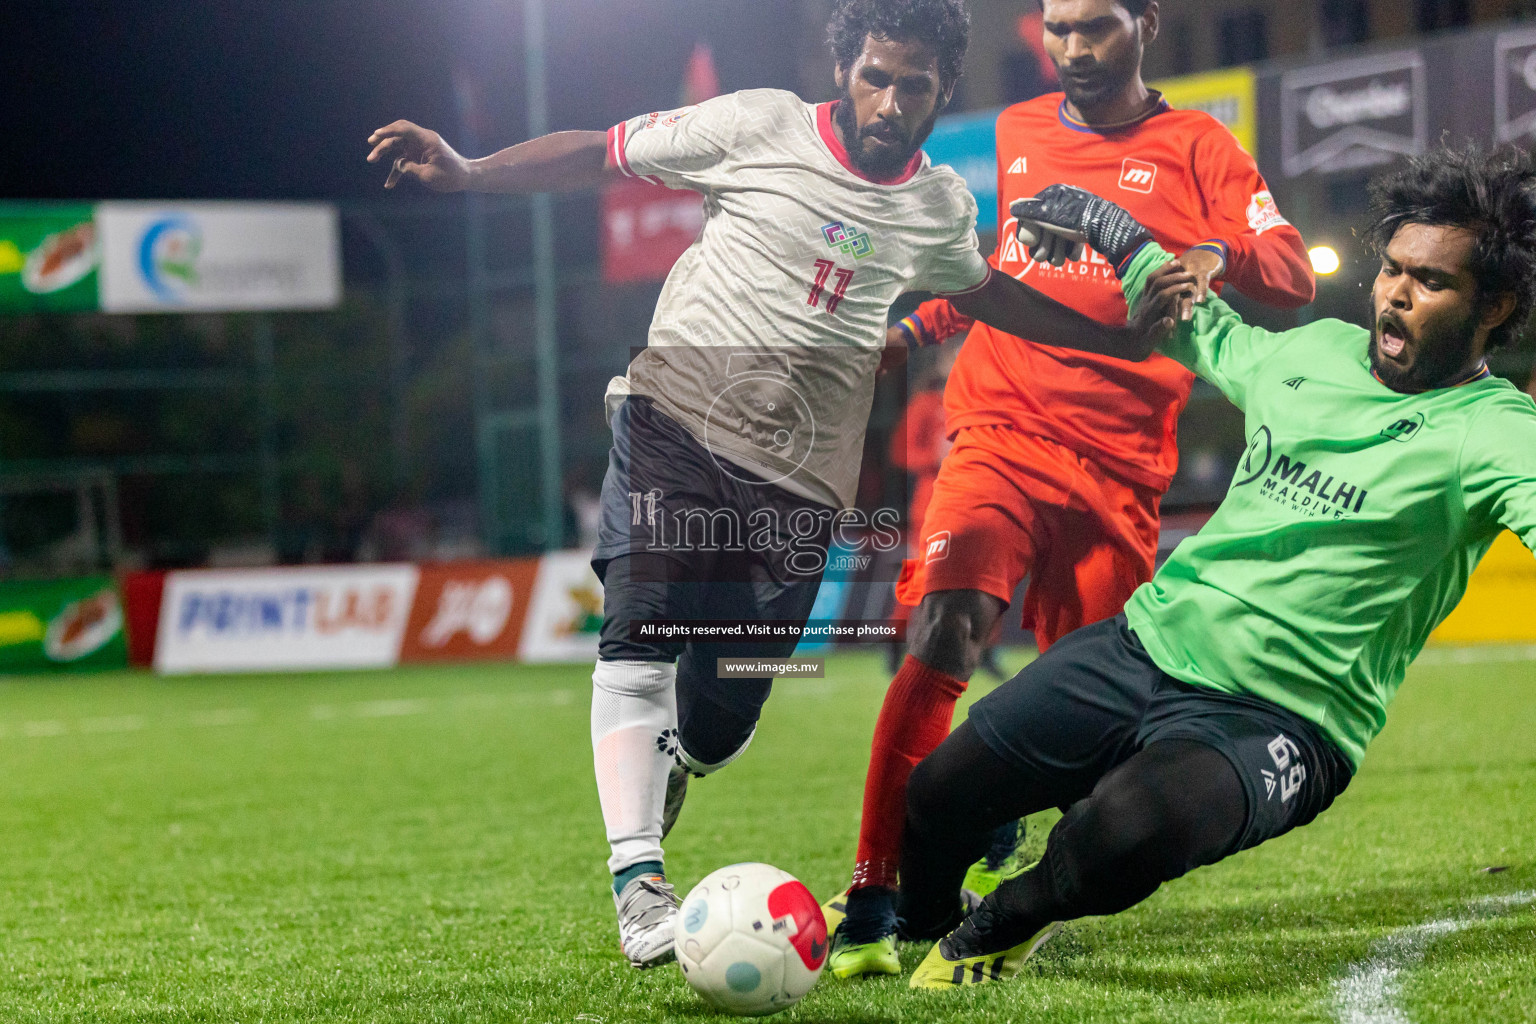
x,y
937,548
1020,165
1263,213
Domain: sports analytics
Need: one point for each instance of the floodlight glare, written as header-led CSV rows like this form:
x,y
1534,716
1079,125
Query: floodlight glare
x,y
1325,260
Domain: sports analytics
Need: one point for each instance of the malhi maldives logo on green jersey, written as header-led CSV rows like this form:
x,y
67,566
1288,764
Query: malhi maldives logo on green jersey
x,y
1291,483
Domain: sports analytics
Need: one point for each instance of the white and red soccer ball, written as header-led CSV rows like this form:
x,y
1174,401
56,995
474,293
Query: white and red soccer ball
x,y
751,939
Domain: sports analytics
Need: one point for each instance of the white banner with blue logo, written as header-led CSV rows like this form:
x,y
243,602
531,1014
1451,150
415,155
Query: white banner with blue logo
x,y
218,256
262,620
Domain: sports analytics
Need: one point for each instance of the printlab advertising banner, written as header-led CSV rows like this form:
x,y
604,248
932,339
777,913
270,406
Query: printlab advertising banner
x,y
48,258
61,625
168,257
257,620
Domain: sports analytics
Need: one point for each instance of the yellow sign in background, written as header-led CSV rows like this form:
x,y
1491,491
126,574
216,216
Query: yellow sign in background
x,y
1500,606
1230,96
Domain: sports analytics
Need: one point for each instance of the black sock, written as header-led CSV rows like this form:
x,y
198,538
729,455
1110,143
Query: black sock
x,y
1004,840
871,914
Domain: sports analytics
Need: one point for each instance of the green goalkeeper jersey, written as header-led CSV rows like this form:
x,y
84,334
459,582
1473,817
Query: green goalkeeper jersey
x,y
1351,525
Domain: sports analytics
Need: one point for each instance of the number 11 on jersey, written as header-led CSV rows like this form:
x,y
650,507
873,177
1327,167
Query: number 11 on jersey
x,y
825,269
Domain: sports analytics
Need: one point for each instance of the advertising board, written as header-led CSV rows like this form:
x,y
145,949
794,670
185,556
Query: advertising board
x,y
48,258
61,625
257,620
1229,95
566,611
968,143
646,228
1353,114
469,611
168,257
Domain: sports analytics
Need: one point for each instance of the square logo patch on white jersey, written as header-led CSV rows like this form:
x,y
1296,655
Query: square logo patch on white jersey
x,y
1137,175
937,548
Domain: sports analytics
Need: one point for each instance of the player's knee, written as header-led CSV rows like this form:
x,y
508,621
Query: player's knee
x,y
711,735
1149,820
925,796
633,677
705,755
948,635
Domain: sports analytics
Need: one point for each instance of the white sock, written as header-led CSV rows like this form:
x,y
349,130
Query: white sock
x,y
634,732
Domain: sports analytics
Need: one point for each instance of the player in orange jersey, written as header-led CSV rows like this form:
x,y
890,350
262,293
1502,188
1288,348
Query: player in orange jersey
x,y
1059,458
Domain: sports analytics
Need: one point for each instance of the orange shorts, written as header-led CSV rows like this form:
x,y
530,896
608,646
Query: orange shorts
x,y
1007,505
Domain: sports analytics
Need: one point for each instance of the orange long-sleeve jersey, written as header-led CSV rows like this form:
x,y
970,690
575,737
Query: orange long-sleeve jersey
x,y
1184,176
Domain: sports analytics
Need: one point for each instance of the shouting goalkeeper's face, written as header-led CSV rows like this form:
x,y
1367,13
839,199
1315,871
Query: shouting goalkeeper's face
x,y
1430,320
892,95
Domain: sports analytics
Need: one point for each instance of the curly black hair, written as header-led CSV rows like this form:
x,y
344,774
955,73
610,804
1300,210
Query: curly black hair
x,y
1491,193
1136,7
943,24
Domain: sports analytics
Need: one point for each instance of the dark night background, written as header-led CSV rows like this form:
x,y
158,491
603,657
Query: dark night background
x,y
243,99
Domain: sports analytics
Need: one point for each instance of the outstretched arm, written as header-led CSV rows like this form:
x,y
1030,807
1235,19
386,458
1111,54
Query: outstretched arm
x,y
1015,308
561,162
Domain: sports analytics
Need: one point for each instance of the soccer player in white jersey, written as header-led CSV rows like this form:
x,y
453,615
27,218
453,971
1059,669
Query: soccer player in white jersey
x,y
738,431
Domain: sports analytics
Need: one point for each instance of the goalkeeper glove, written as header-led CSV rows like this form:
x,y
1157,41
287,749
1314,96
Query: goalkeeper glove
x,y
1055,224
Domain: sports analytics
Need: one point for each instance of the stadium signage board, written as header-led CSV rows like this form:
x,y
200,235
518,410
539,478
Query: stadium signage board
x,y
49,258
258,620
1353,114
646,229
565,612
61,625
218,257
1229,95
968,143
1514,85
468,611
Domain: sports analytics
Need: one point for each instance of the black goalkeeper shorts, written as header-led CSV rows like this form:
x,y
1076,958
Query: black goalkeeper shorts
x,y
1096,698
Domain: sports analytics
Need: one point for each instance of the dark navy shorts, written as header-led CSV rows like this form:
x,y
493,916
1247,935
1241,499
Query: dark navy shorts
x,y
684,537
1096,698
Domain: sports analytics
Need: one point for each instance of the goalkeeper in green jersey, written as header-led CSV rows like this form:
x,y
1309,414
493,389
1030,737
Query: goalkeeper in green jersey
x,y
1234,698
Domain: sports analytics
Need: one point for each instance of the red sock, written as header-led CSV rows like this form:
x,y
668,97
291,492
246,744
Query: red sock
x,y
915,718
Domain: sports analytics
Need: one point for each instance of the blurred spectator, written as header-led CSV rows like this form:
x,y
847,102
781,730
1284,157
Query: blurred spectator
x,y
1029,72
401,532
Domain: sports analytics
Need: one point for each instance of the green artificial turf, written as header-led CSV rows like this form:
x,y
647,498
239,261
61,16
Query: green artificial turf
x,y
424,845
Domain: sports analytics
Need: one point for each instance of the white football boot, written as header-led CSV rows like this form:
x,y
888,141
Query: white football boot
x,y
647,909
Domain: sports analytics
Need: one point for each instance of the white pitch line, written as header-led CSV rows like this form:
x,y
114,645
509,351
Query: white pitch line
x,y
221,716
1369,993
123,723
1476,655
391,708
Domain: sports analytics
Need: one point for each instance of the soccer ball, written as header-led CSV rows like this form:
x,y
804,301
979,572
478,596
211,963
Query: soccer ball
x,y
751,939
